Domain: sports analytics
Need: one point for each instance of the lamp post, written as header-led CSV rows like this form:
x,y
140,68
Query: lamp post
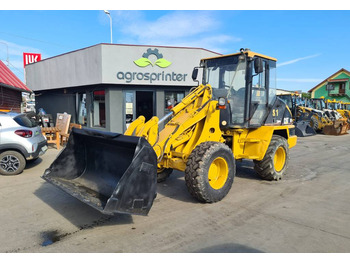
x,y
110,20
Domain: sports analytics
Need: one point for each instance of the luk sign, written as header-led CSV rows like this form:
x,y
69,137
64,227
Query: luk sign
x,y
151,77
29,58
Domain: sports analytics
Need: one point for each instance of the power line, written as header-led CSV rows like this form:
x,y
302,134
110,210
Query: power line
x,y
33,39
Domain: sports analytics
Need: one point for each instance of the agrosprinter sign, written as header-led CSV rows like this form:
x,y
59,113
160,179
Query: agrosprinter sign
x,y
151,77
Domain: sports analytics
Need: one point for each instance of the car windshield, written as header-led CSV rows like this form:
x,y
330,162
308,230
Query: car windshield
x,y
24,121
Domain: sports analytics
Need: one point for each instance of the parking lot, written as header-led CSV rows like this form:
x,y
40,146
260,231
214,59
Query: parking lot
x,y
307,211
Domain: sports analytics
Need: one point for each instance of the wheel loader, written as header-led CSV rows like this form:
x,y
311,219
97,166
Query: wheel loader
x,y
233,115
319,120
339,124
301,119
339,109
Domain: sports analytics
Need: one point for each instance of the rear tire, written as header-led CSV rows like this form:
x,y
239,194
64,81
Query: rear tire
x,y
210,171
275,161
11,163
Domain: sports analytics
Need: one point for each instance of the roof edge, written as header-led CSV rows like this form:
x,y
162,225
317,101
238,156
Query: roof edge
x,y
324,81
101,44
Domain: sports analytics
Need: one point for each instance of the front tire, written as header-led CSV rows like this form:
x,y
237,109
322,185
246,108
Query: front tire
x,y
275,161
11,163
163,174
314,123
210,171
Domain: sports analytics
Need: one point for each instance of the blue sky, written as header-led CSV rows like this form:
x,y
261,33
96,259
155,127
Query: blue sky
x,y
309,45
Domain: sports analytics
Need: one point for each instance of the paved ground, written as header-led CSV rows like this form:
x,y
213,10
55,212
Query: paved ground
x,y
308,211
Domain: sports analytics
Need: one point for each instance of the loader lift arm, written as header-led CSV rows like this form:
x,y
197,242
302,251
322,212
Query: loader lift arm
x,y
194,120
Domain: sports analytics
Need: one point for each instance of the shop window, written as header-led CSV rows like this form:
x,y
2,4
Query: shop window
x,y
129,107
172,99
99,109
82,112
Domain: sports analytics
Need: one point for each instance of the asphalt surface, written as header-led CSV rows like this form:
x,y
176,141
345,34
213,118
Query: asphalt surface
x,y
308,211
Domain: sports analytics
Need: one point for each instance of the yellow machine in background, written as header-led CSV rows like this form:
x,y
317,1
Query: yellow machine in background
x,y
318,119
301,118
234,114
339,107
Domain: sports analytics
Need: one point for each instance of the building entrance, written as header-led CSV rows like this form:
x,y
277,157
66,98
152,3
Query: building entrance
x,y
144,104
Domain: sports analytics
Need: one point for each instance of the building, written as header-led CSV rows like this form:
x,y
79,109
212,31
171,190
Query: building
x,y
334,87
106,86
11,89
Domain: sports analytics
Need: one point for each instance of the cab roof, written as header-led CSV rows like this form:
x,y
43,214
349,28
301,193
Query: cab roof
x,y
248,52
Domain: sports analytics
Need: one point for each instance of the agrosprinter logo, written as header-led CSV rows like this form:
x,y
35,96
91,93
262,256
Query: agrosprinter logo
x,y
155,75
144,60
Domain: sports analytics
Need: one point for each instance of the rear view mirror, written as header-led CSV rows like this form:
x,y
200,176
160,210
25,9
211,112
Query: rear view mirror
x,y
258,65
194,74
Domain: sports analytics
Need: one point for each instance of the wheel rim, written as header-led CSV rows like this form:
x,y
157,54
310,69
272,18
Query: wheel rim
x,y
10,163
218,173
279,159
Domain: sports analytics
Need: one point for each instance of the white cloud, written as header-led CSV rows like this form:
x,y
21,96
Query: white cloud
x,y
177,28
300,80
297,60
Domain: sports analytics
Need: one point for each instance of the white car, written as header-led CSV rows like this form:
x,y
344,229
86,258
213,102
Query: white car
x,y
21,140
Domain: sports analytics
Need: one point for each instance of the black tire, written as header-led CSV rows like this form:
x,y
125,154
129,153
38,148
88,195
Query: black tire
x,y
163,174
204,156
11,163
314,123
267,168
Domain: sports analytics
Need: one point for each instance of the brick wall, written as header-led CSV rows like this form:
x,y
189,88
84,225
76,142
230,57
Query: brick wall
x,y
10,99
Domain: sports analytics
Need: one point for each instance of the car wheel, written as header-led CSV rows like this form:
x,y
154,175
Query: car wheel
x,y
11,163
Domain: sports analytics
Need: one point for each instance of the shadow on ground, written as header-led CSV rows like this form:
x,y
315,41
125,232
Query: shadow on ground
x,y
229,248
75,211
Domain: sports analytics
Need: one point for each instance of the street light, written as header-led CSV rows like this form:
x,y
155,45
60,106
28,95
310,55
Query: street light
x,y
110,20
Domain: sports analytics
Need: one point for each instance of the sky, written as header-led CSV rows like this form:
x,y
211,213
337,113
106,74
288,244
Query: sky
x,y
310,45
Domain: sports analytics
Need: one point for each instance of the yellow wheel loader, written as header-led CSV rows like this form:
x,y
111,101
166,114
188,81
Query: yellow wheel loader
x,y
301,119
234,114
319,120
339,108
339,124
345,110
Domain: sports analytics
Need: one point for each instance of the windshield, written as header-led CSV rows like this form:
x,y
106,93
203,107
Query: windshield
x,y
287,99
318,104
224,73
331,106
299,101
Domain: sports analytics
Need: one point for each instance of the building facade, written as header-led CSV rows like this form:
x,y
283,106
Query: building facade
x,y
334,87
11,89
107,86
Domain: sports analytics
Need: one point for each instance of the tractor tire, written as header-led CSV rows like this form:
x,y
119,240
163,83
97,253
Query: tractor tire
x,y
163,174
210,171
314,123
11,163
275,161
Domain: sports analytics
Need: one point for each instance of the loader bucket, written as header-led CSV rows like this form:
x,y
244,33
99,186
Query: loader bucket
x,y
303,128
111,172
338,128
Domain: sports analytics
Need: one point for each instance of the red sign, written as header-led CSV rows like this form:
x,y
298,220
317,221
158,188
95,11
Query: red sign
x,y
29,58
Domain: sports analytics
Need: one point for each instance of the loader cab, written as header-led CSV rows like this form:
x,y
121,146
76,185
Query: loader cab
x,y
318,103
247,81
